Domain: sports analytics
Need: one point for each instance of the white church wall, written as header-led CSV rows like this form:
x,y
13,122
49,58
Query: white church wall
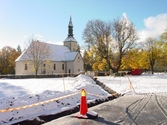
x,y
24,68
78,64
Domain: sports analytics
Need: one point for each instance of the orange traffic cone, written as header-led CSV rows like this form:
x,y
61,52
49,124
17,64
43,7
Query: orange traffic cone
x,y
83,105
84,108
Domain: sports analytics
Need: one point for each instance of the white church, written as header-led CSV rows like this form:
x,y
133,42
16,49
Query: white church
x,y
63,59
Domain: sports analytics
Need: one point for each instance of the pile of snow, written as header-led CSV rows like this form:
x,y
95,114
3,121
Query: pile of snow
x,y
15,93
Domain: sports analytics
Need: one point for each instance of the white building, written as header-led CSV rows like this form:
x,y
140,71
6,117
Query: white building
x,y
63,59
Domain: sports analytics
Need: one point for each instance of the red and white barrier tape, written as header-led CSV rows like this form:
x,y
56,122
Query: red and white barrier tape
x,y
36,104
51,100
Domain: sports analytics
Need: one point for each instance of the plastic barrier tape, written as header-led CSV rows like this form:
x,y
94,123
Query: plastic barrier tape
x,y
51,100
36,104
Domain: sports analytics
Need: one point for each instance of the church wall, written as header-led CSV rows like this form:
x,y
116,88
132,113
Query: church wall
x,y
74,46
71,45
47,68
22,70
18,70
67,44
70,67
75,66
51,67
78,64
59,68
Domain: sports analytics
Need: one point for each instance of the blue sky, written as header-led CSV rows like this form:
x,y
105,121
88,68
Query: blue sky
x,y
47,20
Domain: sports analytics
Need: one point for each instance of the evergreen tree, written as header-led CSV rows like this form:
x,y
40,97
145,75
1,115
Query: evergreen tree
x,y
19,48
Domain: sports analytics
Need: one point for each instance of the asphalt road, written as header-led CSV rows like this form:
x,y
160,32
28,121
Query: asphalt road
x,y
148,109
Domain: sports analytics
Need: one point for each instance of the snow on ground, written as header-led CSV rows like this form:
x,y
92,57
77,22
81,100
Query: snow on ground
x,y
21,92
15,93
146,83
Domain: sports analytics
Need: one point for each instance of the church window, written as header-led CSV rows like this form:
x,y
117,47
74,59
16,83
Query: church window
x,y
62,66
54,67
25,66
44,69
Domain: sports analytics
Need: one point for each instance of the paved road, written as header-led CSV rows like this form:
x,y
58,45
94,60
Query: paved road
x,y
127,110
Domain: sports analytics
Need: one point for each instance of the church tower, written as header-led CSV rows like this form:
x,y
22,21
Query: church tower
x,y
70,41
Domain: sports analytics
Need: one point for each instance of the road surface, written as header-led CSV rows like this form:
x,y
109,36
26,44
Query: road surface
x,y
150,109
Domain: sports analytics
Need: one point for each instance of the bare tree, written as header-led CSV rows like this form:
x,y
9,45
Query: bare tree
x,y
97,35
111,40
124,36
37,53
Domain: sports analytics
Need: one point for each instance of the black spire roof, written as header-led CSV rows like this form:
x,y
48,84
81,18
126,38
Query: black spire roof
x,y
70,22
70,32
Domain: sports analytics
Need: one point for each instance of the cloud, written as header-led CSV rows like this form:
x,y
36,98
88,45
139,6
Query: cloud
x,y
124,15
38,37
57,43
154,27
34,36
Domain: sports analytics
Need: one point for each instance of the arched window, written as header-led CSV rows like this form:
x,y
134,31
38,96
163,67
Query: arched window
x,y
44,69
54,67
62,66
25,66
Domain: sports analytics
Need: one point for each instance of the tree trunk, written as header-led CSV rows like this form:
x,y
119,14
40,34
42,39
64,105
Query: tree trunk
x,y
114,70
36,71
152,66
152,69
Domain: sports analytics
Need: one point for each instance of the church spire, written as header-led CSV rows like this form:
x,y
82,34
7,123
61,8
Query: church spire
x,y
70,41
70,28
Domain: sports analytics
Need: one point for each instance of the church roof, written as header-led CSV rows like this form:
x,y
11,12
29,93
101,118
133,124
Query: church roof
x,y
70,56
69,39
58,53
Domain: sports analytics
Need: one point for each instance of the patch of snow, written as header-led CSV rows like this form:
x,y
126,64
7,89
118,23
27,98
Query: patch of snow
x,y
16,93
21,92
